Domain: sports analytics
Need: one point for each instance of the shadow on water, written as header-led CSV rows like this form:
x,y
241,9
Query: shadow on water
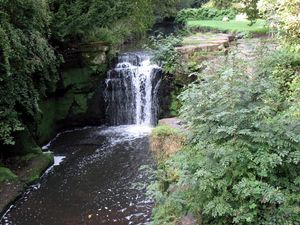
x,y
93,184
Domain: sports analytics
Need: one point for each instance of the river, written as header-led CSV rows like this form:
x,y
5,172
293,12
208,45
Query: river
x,y
97,174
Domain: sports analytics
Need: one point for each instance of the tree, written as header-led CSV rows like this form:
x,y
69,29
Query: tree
x,y
99,20
250,8
284,18
27,62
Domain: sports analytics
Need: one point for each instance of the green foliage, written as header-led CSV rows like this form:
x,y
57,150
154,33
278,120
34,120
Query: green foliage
x,y
221,4
85,20
285,67
242,166
173,200
165,53
169,8
27,62
165,9
204,14
175,103
250,8
283,16
164,131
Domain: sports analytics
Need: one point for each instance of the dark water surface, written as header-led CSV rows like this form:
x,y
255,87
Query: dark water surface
x,y
94,182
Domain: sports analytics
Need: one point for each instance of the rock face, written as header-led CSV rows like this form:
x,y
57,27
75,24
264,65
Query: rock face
x,y
78,99
167,138
165,95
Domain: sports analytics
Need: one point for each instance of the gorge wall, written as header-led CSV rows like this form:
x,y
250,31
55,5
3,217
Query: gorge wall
x,y
78,100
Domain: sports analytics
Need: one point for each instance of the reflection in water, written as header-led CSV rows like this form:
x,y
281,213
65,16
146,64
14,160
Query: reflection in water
x,y
93,184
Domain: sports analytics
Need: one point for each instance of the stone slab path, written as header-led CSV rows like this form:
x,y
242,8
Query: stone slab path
x,y
207,42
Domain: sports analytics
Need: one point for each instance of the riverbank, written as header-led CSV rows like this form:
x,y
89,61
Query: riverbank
x,y
26,170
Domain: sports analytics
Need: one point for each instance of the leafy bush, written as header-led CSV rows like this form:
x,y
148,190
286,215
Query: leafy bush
x,y
172,200
284,20
77,21
243,162
165,53
285,67
204,14
27,63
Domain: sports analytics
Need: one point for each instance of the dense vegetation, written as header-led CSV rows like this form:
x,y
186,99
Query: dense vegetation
x,y
204,14
28,63
78,21
242,163
242,166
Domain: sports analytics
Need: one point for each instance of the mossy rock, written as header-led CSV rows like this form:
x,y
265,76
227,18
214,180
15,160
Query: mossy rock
x,y
71,104
29,169
59,109
46,128
6,175
166,141
164,131
35,166
80,104
78,77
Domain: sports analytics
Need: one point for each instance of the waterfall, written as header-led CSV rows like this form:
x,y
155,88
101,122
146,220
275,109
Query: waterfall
x,y
131,90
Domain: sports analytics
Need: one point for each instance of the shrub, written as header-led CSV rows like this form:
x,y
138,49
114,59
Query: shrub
x,y
76,21
165,53
204,14
285,67
244,164
284,18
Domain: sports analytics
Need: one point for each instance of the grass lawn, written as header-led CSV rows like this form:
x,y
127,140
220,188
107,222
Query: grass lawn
x,y
232,26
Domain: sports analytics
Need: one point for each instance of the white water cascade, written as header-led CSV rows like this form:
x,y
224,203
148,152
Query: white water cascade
x,y
131,90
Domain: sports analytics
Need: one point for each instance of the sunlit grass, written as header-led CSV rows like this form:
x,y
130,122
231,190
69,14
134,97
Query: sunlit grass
x,y
260,27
